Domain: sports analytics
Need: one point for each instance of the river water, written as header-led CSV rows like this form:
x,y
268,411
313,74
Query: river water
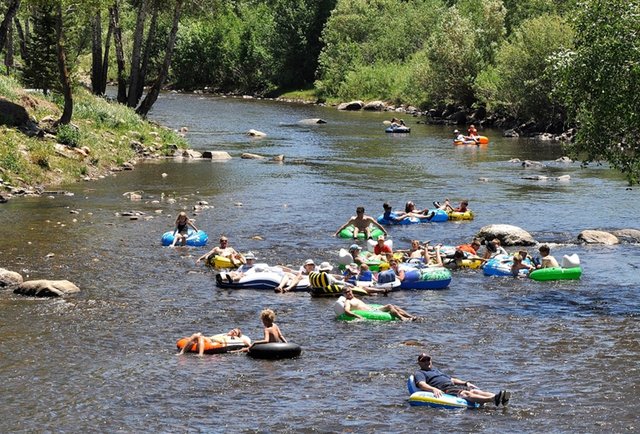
x,y
105,360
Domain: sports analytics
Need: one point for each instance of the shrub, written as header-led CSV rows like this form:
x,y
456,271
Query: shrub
x,y
68,135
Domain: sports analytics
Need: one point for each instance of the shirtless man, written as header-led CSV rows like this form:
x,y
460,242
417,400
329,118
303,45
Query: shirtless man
x,y
352,303
361,223
225,251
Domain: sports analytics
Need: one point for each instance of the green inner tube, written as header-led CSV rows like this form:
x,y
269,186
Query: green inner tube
x,y
556,273
348,232
372,315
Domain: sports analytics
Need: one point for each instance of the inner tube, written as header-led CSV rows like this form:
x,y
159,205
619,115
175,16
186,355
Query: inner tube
x,y
397,129
556,273
275,350
371,315
217,261
423,398
194,239
348,232
457,215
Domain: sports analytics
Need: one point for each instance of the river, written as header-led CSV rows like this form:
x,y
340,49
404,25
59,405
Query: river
x,y
105,360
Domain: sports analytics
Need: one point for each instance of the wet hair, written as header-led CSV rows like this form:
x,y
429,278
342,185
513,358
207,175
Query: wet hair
x,y
268,316
465,202
386,205
408,207
459,254
544,249
360,209
492,247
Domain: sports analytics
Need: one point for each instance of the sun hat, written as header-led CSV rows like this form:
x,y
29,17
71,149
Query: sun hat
x,y
325,266
250,255
455,131
384,266
354,247
381,237
309,262
353,267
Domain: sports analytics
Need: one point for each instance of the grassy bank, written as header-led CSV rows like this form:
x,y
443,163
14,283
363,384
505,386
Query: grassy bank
x,y
103,137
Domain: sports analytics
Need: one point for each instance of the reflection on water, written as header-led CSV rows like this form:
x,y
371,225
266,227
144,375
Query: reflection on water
x,y
105,359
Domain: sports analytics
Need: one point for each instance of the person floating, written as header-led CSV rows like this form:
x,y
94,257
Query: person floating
x,y
546,260
181,231
272,332
352,303
225,251
361,223
433,380
202,341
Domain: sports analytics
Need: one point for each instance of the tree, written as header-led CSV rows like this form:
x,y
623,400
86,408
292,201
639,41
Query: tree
x,y
41,62
65,80
602,84
518,84
5,25
152,96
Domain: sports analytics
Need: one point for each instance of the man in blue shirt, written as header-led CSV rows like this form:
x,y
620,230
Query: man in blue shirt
x,y
433,380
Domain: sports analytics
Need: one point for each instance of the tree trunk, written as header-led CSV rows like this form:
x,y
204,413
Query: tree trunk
x,y
152,96
117,40
12,9
21,39
105,61
132,100
65,81
147,52
96,54
8,57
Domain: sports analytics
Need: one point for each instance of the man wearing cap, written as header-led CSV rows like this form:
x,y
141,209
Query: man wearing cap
x,y
289,280
225,251
248,267
361,223
433,380
355,251
459,137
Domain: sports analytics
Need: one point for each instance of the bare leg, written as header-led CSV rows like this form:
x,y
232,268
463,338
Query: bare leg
x,y
478,396
356,231
200,345
187,346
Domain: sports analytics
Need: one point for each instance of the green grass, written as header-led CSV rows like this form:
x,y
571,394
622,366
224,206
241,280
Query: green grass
x,y
104,128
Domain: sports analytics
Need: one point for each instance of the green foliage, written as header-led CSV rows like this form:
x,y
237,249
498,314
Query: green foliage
x,y
229,51
41,63
454,60
602,84
40,153
361,33
68,135
518,84
296,43
488,22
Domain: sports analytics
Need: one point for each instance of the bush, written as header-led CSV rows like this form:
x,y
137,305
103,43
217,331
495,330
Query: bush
x,y
519,82
68,135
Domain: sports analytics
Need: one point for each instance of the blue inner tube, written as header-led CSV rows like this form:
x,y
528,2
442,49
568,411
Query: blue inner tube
x,y
194,239
275,350
436,216
397,129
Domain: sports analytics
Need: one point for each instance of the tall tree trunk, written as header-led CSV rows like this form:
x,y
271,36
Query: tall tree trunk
x,y
8,57
147,52
65,81
105,61
152,96
22,41
117,40
12,9
96,54
132,100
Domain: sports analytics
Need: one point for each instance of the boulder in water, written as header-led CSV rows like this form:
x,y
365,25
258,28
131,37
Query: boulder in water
x,y
46,288
597,237
508,235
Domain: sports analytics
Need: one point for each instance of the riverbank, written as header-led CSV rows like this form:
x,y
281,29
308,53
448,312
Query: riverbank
x,y
103,138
